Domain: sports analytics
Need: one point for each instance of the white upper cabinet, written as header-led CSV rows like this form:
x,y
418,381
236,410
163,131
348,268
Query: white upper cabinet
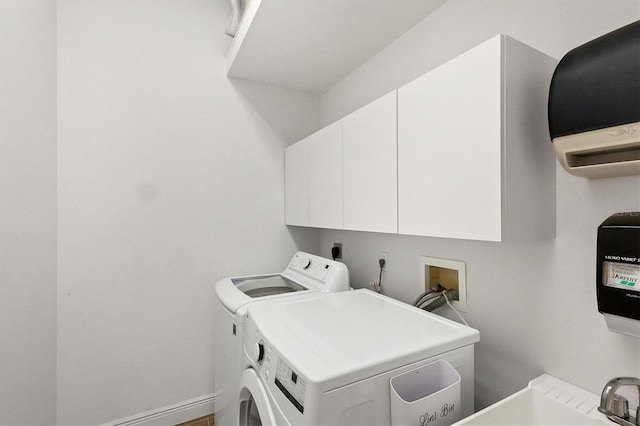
x,y
325,177
296,178
313,180
461,152
474,157
370,167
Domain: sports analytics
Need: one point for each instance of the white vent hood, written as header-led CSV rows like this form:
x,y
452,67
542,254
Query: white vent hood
x,y
310,45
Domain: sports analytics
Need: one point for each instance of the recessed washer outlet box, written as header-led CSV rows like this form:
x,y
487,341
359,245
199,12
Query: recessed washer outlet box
x,y
451,274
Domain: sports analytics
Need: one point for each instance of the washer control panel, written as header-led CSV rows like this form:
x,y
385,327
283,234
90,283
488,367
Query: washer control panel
x,y
332,275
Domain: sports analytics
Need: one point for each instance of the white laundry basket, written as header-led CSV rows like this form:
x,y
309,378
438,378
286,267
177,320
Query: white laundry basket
x,y
426,396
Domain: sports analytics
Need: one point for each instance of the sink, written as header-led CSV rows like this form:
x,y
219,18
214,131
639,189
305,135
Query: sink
x,y
546,401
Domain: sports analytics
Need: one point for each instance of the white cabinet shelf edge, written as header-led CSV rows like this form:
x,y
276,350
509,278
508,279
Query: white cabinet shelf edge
x,y
248,15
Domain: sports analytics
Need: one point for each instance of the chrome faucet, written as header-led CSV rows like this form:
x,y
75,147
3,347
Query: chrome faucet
x,y
616,407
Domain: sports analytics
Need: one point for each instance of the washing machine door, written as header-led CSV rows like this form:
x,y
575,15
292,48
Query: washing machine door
x,y
255,408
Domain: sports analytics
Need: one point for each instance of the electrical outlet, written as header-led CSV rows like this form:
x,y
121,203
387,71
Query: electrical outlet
x,y
338,246
385,255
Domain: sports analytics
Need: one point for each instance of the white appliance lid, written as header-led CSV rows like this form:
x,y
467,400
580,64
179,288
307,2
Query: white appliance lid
x,y
305,273
266,285
354,335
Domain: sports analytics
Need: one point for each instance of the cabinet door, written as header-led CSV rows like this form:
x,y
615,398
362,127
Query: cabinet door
x,y
370,167
296,176
325,177
449,148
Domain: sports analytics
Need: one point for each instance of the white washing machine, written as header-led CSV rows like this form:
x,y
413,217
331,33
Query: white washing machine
x,y
305,275
328,359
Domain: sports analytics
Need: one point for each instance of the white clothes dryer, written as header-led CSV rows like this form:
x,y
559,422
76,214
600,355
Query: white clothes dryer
x,y
305,274
328,359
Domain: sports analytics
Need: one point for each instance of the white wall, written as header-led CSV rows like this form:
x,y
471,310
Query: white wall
x,y
170,178
534,303
27,212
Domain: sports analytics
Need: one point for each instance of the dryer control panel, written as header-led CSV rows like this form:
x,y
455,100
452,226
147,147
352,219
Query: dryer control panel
x,y
276,372
291,385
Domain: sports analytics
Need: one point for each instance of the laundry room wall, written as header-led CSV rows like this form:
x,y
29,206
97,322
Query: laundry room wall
x,y
27,212
170,178
534,302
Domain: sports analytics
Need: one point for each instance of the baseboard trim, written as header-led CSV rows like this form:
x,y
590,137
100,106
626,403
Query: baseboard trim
x,y
171,414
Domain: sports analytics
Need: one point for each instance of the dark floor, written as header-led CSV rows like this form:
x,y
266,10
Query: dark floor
x,y
202,421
